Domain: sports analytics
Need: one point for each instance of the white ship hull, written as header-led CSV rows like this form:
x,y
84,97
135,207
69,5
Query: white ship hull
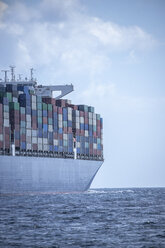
x,y
45,175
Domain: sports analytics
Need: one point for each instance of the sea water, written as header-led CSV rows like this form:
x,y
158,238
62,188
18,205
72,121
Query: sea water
x,y
98,218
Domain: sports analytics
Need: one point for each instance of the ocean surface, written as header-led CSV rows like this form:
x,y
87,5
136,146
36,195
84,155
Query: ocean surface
x,y
98,218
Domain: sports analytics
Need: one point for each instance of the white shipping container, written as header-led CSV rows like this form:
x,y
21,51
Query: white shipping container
x,y
6,122
28,124
77,119
94,122
33,98
94,146
34,140
15,99
40,147
86,133
50,128
28,146
28,118
29,132
45,147
90,121
94,116
60,117
6,115
60,124
77,125
69,117
20,92
78,144
77,113
65,136
55,142
34,106
1,137
90,115
39,141
81,119
28,139
69,110
34,133
45,141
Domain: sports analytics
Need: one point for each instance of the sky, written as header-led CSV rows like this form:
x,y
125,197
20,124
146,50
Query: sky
x,y
113,52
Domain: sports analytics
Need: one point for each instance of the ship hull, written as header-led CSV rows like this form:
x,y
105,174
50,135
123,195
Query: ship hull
x,y
45,175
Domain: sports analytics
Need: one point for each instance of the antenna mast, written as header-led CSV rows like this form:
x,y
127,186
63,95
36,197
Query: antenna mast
x,y
12,73
5,71
31,73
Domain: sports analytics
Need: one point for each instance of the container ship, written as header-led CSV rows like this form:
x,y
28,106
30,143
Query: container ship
x,y
47,144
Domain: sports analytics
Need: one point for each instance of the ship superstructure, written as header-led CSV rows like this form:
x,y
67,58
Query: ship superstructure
x,y
46,144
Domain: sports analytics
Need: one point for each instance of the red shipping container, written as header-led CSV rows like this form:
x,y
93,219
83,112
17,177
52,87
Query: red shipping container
x,y
1,121
95,152
17,144
60,136
78,131
34,119
49,100
45,120
82,132
69,129
86,120
17,127
81,114
98,123
23,117
55,135
23,137
49,114
55,108
86,114
1,144
1,129
65,130
7,130
91,151
7,144
91,146
94,134
34,147
53,101
34,126
59,110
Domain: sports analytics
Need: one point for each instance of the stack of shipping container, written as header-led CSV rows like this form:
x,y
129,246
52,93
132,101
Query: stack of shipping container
x,y
46,125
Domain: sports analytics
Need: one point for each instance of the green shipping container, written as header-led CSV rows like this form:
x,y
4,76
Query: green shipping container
x,y
49,107
44,106
14,105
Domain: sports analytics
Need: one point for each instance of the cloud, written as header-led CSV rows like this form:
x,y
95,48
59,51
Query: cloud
x,y
61,31
3,7
119,37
